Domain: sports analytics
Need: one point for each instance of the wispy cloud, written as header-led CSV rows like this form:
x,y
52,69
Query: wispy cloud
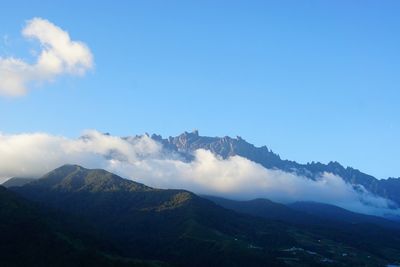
x,y
59,55
144,160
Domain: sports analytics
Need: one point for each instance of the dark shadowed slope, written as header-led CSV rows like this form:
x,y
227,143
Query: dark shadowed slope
x,y
334,213
368,233
32,237
17,181
309,213
183,229
171,225
262,208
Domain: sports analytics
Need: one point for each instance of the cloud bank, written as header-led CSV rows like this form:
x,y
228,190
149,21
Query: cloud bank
x,y
59,55
144,160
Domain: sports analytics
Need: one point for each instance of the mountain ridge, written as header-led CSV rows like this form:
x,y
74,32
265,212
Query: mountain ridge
x,y
312,213
154,223
173,226
17,181
72,177
186,143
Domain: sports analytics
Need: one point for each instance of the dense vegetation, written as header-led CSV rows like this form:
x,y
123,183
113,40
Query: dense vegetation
x,y
30,236
95,218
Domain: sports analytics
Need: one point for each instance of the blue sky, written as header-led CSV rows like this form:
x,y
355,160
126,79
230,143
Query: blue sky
x,y
313,80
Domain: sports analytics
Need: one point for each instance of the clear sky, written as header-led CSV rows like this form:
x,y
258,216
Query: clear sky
x,y
312,80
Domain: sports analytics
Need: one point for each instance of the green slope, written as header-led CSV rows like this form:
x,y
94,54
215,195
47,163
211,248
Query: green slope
x,y
31,237
183,229
170,225
17,181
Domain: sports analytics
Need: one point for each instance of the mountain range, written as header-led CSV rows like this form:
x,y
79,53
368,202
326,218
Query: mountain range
x,y
225,147
204,165
92,217
82,217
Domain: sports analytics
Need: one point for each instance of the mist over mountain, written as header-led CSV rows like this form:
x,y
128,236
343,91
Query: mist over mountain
x,y
145,226
311,87
226,147
187,143
148,223
220,166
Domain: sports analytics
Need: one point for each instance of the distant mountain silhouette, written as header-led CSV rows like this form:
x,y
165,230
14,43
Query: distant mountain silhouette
x,y
334,213
302,213
262,208
187,143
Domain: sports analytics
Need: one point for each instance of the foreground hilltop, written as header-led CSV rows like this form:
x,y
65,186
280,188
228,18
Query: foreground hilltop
x,y
34,236
144,225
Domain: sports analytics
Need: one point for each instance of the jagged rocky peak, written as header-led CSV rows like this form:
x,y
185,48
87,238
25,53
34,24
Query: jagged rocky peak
x,y
156,137
335,167
187,137
188,142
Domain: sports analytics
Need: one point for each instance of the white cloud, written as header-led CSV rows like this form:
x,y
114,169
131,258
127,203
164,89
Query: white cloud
x,y
144,160
59,55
